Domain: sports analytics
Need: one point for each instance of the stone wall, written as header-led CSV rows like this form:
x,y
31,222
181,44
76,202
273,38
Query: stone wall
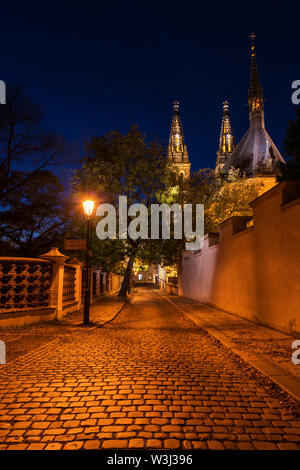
x,y
33,290
252,271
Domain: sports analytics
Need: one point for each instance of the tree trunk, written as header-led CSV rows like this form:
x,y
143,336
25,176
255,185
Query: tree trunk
x,y
126,281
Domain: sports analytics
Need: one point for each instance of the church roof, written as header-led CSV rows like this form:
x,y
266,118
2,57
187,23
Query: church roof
x,y
256,153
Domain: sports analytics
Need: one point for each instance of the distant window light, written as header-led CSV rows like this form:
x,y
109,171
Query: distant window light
x,y
177,142
140,277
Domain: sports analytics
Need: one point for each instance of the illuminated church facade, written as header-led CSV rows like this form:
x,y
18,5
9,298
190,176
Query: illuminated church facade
x,y
256,155
177,150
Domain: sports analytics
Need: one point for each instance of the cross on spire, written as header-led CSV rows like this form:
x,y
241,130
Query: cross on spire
x,y
252,37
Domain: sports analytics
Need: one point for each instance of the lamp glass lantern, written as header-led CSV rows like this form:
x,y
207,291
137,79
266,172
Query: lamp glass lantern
x,y
88,207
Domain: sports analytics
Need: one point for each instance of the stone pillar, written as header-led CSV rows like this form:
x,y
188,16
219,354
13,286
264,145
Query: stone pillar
x,y
58,260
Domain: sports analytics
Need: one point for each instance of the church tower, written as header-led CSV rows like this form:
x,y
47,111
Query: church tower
x,y
256,155
227,140
255,93
177,149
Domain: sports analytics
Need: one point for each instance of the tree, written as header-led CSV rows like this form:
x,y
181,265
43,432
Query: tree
x,y
36,214
122,165
291,150
230,196
119,164
24,144
30,204
196,189
222,198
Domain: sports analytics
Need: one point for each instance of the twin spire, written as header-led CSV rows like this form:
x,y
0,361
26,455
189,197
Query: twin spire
x,y
177,149
227,140
255,154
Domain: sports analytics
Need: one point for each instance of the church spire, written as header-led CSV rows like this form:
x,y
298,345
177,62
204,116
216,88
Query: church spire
x,y
177,149
256,155
227,140
255,93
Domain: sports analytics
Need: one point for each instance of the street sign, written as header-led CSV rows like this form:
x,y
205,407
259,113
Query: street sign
x,y
74,244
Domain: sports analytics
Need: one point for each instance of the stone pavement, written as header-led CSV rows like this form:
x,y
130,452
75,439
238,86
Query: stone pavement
x,y
23,340
102,311
249,337
149,379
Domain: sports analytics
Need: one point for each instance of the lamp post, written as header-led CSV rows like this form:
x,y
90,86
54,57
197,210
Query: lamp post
x,y
88,207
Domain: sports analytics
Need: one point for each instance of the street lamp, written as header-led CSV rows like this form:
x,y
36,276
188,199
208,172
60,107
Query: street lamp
x,y
88,207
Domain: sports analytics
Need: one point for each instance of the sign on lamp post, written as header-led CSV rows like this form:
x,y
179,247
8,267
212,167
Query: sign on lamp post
x,y
74,244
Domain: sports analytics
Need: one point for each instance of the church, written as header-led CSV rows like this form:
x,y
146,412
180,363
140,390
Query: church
x,y
255,156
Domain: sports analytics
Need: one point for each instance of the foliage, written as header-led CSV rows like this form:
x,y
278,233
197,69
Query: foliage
x,y
291,149
117,165
24,144
230,196
32,216
35,214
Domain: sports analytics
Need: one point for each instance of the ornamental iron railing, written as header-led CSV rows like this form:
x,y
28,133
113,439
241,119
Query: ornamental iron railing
x,y
25,283
69,284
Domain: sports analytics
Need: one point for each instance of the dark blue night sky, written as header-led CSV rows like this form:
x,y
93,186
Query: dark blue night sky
x,y
99,66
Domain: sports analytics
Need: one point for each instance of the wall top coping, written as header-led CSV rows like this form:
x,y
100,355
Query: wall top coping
x,y
243,232
268,194
290,190
235,219
293,202
74,262
23,260
208,235
55,255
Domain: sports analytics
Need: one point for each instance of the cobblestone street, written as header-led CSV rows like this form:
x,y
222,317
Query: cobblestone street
x,y
150,379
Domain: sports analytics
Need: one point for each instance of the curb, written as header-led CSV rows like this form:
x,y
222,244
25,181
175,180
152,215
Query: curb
x,y
98,324
273,372
126,302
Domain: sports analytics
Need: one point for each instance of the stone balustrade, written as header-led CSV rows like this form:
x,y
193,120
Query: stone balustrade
x,y
47,288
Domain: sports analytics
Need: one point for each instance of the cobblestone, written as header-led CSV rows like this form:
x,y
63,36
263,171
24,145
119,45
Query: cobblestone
x,y
149,379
